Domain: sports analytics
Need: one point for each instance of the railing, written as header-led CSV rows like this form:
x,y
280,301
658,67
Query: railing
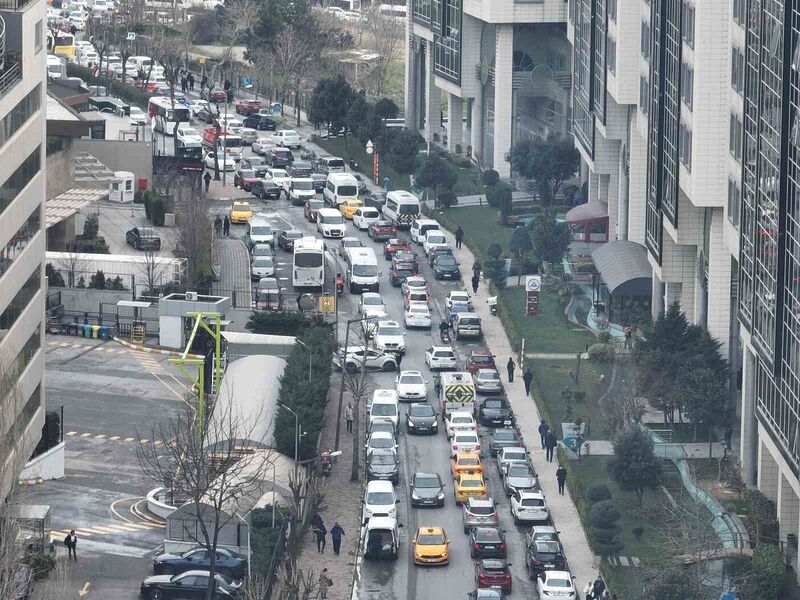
x,y
11,74
2,43
13,4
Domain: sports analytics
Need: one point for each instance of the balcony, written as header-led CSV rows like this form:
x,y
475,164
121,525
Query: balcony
x,y
13,4
10,63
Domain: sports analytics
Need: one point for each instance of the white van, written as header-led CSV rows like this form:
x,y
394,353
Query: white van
x,y
339,188
380,500
259,231
330,164
362,273
420,227
384,405
401,208
330,223
56,69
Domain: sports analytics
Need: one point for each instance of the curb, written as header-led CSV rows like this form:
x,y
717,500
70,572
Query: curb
x,y
153,350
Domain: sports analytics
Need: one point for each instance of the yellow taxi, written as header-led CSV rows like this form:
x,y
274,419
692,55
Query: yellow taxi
x,y
470,485
466,460
431,546
348,207
241,212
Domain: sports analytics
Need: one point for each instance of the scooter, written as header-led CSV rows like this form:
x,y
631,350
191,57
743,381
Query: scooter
x,y
444,335
325,463
339,285
492,302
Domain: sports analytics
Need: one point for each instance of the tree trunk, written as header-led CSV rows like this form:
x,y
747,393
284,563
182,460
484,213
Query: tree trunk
x,y
356,438
694,439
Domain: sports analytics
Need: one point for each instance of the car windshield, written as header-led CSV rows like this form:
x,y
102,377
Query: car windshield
x,y
303,185
547,548
263,261
430,539
445,354
247,174
489,375
268,285
381,442
370,214
466,439
487,535
190,131
277,173
241,207
505,436
471,483
435,238
559,583
332,219
421,411
292,235
383,410
493,404
470,321
468,462
515,456
365,271
389,330
255,161
445,260
481,510
519,471
336,163
461,419
408,209
261,230
411,379
372,300
427,481
315,204
418,308
532,502
382,459
481,359
380,498
347,190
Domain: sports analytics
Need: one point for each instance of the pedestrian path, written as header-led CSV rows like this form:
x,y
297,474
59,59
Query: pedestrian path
x,y
111,528
76,345
554,356
234,280
690,450
104,437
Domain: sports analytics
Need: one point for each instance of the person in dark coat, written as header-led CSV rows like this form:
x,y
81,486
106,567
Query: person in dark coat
x,y
543,429
561,478
476,268
459,236
510,368
190,81
320,532
226,226
203,82
71,542
337,532
476,279
207,179
527,378
550,444
599,587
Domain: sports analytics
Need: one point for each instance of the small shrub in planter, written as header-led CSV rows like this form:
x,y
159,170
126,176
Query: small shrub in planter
x,y
597,492
41,564
447,199
604,337
490,177
601,352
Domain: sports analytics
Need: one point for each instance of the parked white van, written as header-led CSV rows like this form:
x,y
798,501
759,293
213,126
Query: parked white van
x,y
384,405
401,208
362,273
339,188
259,231
420,227
330,223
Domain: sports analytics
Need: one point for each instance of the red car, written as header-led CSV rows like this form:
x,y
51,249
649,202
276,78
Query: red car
x,y
404,256
245,178
310,209
399,272
482,358
493,573
393,245
217,95
381,231
246,107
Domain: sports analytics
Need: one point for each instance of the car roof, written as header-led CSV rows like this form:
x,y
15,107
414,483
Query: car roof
x,y
480,352
424,474
437,348
559,574
487,502
530,494
480,372
429,529
513,449
410,372
380,486
493,563
388,324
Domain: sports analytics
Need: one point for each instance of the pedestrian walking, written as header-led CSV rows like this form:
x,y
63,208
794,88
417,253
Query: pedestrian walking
x,y
527,378
510,368
543,429
348,416
587,591
550,444
628,334
599,587
226,226
728,436
320,532
561,478
324,584
71,542
476,268
337,532
459,236
203,82
399,359
184,84
190,79
218,225
386,184
476,279
207,179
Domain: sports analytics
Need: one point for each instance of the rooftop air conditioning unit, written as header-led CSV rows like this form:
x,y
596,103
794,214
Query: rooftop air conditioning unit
x,y
191,296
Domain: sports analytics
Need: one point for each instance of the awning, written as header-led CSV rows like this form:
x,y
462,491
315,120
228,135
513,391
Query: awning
x,y
67,204
624,267
587,212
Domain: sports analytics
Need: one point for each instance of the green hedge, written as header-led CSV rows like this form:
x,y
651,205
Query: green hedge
x,y
263,538
126,92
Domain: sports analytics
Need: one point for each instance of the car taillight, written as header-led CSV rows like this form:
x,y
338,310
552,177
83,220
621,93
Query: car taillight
x,y
455,447
477,446
475,546
502,546
482,579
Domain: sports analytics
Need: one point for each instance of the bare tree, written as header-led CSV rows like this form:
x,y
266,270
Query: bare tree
x,y
292,58
384,35
214,466
194,239
152,269
72,263
623,410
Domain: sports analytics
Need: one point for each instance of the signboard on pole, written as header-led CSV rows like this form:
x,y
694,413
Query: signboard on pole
x,y
327,303
533,283
131,36
202,60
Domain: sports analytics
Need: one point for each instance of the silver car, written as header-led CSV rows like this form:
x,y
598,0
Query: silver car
x,y
480,512
509,455
487,381
519,476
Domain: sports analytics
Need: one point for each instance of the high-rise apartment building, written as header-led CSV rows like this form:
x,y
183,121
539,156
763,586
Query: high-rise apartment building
x,y
502,68
23,48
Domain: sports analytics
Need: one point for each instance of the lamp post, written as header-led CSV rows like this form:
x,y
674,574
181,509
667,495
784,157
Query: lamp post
x,y
296,432
370,150
247,524
309,356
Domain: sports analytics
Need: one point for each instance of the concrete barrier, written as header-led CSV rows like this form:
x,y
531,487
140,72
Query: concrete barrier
x,y
49,465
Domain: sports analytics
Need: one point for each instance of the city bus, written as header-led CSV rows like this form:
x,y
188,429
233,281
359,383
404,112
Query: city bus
x,y
167,114
63,44
308,265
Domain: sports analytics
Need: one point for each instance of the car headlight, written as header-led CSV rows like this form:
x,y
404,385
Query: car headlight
x,y
440,495
411,423
414,496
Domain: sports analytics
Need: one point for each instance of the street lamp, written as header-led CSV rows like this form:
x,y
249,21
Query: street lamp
x,y
296,432
309,356
247,524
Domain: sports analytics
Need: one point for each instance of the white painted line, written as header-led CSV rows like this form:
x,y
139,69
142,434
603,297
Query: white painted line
x,y
84,435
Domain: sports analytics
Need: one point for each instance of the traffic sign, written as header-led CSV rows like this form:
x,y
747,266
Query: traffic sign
x,y
131,36
246,82
327,303
202,60
573,443
533,283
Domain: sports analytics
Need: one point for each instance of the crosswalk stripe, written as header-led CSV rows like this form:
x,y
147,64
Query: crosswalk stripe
x,y
114,437
157,443
84,435
77,346
63,344
128,439
144,441
71,432
85,532
100,436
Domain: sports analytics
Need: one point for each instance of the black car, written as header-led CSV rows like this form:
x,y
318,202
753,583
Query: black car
x,y
266,190
256,163
375,200
544,556
299,168
445,266
421,418
319,182
227,562
382,463
437,251
207,114
286,239
487,542
495,412
143,238
191,584
260,122
279,157
503,437
427,489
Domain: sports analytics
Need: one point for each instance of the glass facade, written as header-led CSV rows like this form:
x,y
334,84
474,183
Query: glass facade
x,y
446,18
20,114
20,240
12,186
20,302
582,76
21,421
599,29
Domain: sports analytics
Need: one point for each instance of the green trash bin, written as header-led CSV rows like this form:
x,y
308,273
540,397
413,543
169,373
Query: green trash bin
x,y
87,331
104,332
95,331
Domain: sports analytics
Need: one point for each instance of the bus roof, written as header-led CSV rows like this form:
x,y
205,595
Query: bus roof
x,y
309,243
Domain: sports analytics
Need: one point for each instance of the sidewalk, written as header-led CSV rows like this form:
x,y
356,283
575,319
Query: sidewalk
x,y
562,508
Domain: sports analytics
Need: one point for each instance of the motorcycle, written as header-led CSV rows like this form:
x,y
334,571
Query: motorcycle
x,y
325,463
339,286
444,335
492,304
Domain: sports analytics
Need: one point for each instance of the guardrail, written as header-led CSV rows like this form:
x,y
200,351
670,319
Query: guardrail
x,y
11,74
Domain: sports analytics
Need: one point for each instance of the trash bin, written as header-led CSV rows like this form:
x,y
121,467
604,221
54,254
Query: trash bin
x,y
87,331
104,332
95,331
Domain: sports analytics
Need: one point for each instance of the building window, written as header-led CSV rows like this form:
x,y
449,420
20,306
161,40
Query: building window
x,y
20,240
737,70
687,24
20,114
736,137
21,422
422,12
612,10
555,60
20,302
611,55
19,179
645,42
644,95
572,11
685,149
447,40
29,349
734,197
687,84
38,35
739,11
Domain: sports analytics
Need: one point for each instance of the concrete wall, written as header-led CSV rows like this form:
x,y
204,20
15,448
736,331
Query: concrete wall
x,y
59,171
85,300
117,155
49,465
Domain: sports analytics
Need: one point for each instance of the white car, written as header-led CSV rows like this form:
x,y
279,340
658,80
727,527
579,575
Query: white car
x,y
510,454
418,315
372,306
354,356
231,124
417,283
262,266
529,506
389,337
225,163
88,58
364,217
440,357
196,105
434,239
287,138
487,381
138,116
188,136
411,385
381,440
456,296
459,420
464,441
380,500
248,135
279,176
84,46
556,584
261,145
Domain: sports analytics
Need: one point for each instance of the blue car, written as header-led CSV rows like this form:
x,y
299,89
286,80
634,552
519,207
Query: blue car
x,y
458,307
226,563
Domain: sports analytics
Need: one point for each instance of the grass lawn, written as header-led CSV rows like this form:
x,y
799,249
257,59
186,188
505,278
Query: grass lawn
x,y
480,227
355,151
552,376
